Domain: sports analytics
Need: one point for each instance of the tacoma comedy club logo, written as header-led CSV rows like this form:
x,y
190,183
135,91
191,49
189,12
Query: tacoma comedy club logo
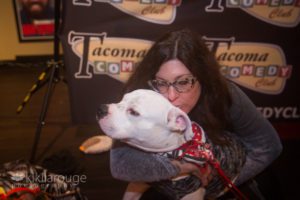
x,y
155,11
285,13
112,56
258,66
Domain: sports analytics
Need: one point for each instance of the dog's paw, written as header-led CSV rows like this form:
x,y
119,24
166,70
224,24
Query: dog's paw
x,y
96,144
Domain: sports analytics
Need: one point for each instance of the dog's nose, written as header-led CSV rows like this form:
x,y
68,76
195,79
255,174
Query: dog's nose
x,y
102,111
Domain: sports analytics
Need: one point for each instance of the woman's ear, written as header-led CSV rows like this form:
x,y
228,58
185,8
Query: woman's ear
x,y
179,122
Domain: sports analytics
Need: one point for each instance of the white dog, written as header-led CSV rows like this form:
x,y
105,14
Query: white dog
x,y
148,121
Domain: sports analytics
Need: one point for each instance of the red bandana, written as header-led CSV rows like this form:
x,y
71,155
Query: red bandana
x,y
196,150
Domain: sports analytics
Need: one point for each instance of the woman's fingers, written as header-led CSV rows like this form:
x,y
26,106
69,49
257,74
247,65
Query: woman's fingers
x,y
204,174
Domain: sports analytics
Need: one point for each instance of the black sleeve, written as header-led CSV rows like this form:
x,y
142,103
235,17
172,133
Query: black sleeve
x,y
261,140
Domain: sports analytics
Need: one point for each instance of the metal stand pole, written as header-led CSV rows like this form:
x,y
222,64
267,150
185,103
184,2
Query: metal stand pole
x,y
53,73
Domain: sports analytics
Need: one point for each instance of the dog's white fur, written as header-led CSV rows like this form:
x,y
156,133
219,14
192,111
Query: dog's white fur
x,y
146,120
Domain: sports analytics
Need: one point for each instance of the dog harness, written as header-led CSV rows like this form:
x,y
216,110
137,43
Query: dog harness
x,y
199,151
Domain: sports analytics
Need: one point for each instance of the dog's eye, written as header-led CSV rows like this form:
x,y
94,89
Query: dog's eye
x,y
133,112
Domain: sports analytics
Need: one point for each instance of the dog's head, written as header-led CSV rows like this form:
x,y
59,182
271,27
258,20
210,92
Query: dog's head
x,y
146,120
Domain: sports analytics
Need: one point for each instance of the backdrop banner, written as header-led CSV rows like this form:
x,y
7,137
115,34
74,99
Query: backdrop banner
x,y
256,42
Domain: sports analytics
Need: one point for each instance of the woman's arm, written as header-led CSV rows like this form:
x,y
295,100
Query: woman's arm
x,y
130,164
261,140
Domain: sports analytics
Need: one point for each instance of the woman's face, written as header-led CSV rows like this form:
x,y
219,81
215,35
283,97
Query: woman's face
x,y
174,70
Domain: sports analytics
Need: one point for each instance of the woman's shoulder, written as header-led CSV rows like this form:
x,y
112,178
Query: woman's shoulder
x,y
240,102
233,88
237,94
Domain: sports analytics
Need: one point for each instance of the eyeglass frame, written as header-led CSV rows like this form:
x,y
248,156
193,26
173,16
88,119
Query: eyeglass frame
x,y
192,80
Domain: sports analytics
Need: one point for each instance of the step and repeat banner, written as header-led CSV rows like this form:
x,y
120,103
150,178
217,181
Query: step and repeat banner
x,y
257,43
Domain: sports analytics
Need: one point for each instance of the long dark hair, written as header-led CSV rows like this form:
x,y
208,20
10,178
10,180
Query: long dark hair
x,y
211,111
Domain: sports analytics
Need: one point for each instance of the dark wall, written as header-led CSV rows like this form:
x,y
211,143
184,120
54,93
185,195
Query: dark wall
x,y
256,44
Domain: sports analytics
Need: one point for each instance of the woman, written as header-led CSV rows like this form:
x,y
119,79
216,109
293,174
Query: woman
x,y
183,70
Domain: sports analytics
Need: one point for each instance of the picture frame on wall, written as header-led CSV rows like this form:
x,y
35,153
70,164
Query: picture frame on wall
x,y
35,19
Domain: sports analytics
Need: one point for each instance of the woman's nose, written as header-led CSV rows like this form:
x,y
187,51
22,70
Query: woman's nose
x,y
172,94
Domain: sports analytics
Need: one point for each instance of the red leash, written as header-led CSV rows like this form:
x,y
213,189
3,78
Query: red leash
x,y
201,150
228,183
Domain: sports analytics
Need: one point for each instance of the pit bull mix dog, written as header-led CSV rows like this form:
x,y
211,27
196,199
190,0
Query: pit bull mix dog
x,y
146,120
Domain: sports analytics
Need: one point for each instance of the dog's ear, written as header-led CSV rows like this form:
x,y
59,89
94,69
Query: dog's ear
x,y
178,121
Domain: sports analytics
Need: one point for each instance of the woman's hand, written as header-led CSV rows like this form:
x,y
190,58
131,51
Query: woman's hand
x,y
189,168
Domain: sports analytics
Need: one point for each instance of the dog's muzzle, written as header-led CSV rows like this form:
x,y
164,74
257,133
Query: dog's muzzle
x,y
102,111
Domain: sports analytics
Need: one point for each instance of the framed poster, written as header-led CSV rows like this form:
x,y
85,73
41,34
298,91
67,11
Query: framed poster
x,y
35,19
